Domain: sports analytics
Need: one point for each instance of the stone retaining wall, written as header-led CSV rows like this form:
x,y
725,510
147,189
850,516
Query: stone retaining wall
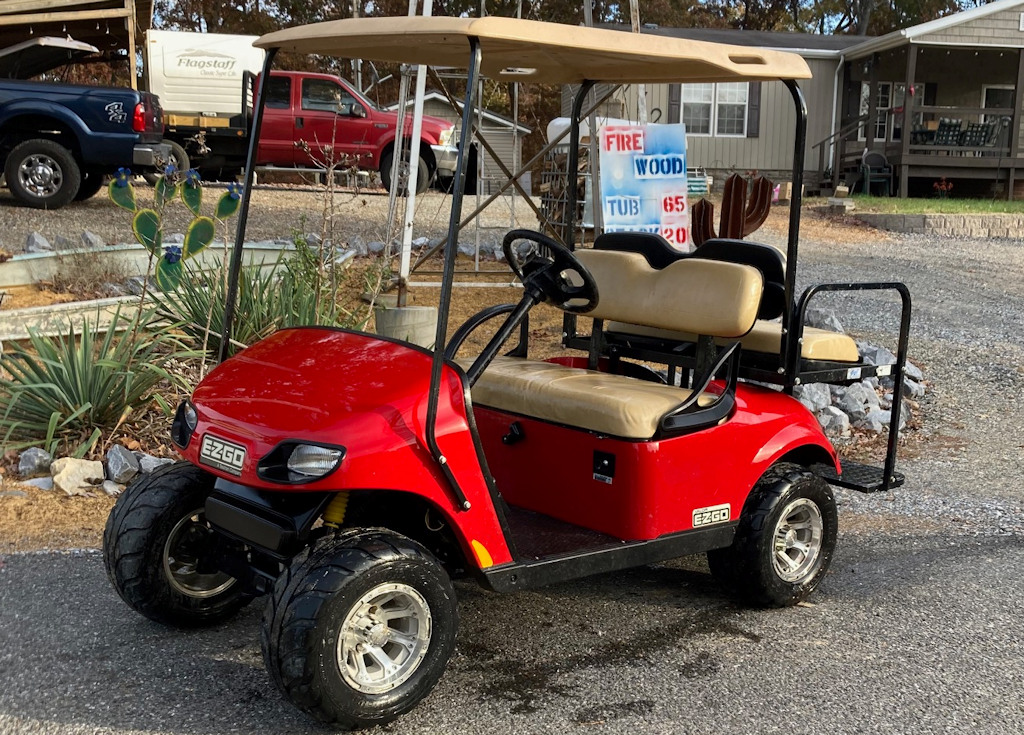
x,y
949,225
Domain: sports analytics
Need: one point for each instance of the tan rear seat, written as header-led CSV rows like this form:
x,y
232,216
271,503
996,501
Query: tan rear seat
x,y
818,344
716,298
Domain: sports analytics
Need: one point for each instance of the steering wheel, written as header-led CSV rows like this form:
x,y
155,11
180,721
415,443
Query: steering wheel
x,y
548,267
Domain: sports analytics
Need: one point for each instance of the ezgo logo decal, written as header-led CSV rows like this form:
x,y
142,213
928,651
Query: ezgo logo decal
x,y
711,515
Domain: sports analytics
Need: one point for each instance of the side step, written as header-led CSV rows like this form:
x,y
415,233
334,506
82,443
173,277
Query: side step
x,y
860,477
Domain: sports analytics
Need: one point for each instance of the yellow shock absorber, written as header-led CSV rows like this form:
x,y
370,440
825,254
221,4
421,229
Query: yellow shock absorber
x,y
335,513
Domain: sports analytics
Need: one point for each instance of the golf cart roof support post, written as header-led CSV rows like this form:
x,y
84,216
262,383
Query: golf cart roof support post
x,y
790,346
448,277
243,212
571,188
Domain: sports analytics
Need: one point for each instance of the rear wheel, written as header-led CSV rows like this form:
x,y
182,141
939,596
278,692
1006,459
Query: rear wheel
x,y
158,549
784,542
42,174
360,629
422,174
92,181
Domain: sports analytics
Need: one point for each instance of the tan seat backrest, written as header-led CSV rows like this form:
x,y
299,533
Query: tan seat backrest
x,y
702,296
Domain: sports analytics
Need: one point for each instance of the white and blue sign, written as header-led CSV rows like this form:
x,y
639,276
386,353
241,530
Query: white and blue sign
x,y
643,181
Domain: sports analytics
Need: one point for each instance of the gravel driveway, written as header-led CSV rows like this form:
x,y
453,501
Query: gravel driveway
x,y
917,629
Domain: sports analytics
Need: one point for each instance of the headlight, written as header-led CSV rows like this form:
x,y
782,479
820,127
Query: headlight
x,y
313,461
186,419
293,463
445,138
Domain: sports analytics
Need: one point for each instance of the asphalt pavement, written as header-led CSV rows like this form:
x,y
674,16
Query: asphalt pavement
x,y
918,628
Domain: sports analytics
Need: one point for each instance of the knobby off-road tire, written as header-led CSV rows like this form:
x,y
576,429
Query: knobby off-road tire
x,y
153,545
42,174
359,596
784,542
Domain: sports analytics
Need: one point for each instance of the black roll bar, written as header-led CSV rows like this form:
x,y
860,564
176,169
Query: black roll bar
x,y
450,254
243,214
789,345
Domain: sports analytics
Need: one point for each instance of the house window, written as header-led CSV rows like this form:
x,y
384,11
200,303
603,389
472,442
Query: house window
x,y
883,101
715,109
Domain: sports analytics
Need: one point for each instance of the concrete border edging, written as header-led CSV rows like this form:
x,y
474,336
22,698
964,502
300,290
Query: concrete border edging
x,y
948,225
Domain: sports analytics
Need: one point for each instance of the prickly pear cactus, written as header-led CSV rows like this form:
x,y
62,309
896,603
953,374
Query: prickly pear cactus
x,y
147,222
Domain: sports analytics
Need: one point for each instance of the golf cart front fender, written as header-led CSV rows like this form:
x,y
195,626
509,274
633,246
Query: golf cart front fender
x,y
372,402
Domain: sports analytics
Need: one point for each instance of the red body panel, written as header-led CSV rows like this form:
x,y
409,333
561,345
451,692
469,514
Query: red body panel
x,y
360,139
358,391
656,485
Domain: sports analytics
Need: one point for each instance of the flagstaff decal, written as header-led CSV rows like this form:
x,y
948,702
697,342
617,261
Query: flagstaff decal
x,y
643,181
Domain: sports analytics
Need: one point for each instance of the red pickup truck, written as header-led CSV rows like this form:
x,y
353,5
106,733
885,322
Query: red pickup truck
x,y
310,119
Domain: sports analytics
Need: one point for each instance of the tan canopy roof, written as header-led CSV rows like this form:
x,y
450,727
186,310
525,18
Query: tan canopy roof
x,y
532,51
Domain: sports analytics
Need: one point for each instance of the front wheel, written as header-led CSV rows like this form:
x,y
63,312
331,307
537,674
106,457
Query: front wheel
x,y
158,550
422,174
360,629
784,542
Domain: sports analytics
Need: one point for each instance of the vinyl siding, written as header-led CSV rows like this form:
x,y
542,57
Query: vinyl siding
x,y
998,29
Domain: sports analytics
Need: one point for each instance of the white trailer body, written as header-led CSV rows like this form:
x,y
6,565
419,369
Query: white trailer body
x,y
199,75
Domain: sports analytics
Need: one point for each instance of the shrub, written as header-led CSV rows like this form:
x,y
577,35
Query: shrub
x,y
63,392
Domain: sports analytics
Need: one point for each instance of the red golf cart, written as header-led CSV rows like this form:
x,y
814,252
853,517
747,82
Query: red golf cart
x,y
350,478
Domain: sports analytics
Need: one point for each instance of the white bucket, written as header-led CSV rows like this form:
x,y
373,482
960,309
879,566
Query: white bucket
x,y
416,324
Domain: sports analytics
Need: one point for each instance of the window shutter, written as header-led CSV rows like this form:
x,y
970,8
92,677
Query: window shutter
x,y
754,109
675,103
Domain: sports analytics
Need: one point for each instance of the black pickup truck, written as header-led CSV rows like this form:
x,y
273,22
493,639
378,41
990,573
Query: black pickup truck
x,y
58,141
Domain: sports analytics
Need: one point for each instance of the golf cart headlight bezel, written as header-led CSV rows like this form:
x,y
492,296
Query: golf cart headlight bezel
x,y
186,419
294,462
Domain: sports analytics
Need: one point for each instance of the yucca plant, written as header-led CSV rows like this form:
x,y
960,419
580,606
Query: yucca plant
x,y
63,392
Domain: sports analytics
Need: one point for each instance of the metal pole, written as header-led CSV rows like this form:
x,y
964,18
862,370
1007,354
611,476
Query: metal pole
x,y
243,212
789,343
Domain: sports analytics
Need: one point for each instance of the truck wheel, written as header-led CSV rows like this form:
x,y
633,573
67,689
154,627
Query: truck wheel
x,y
178,159
92,181
422,175
358,631
784,542
156,546
42,174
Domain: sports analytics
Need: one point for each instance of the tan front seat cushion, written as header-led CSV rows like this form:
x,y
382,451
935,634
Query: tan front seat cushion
x,y
608,404
692,295
818,344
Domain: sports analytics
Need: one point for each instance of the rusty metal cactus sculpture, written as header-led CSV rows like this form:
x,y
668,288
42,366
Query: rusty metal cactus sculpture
x,y
741,216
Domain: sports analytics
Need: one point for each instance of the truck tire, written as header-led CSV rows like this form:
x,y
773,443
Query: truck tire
x,y
357,633
179,159
154,546
422,175
92,181
785,539
42,174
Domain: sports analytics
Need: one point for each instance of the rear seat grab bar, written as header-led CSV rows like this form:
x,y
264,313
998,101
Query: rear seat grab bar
x,y
689,413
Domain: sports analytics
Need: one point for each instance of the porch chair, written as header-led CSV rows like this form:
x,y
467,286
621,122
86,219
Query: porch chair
x,y
875,169
948,132
975,136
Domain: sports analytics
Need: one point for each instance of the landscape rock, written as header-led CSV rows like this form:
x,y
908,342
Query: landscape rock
x,y
176,238
858,400
112,488
36,243
34,461
42,483
876,421
92,240
421,242
122,465
875,355
134,285
149,463
13,494
912,389
815,396
834,422
913,372
467,249
62,243
76,476
375,247
823,319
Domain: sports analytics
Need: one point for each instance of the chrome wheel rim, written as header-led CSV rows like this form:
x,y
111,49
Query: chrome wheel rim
x,y
41,176
181,559
797,540
384,638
